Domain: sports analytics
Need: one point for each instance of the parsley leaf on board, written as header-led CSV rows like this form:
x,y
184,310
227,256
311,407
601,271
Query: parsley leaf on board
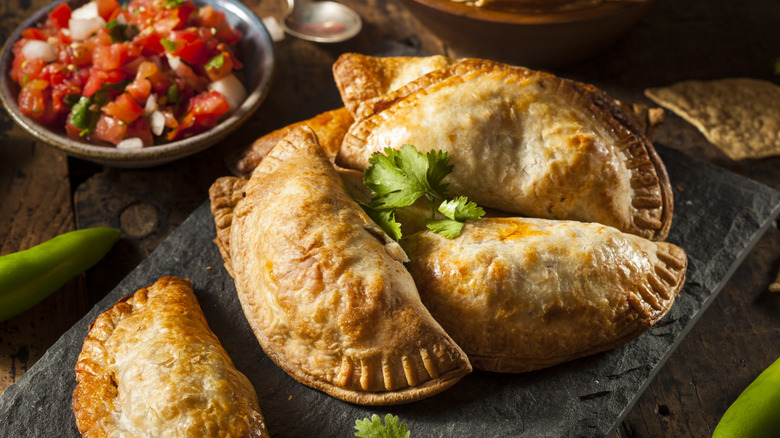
x,y
374,428
400,177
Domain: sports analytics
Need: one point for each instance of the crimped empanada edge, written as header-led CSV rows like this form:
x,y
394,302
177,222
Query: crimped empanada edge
x,y
673,259
224,195
379,398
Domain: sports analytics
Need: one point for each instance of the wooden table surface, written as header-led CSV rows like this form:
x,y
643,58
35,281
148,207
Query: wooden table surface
x,y
43,193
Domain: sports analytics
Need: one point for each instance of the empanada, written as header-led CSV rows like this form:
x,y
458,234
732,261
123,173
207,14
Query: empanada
x,y
330,127
361,78
150,366
525,142
522,294
323,287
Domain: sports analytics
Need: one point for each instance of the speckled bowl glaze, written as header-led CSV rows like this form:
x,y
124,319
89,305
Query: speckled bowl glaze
x,y
536,40
256,49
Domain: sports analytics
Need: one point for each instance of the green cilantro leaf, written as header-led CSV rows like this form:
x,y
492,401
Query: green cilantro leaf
x,y
172,4
169,45
119,33
460,209
446,227
82,117
172,94
385,219
374,428
437,170
216,62
398,178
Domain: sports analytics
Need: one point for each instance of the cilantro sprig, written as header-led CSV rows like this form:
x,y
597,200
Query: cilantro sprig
x,y
398,178
373,428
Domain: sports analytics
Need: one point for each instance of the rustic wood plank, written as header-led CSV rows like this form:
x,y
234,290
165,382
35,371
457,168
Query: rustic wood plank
x,y
36,207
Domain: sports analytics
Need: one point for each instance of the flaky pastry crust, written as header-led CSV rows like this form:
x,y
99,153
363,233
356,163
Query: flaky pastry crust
x,y
330,127
524,142
522,294
150,366
323,287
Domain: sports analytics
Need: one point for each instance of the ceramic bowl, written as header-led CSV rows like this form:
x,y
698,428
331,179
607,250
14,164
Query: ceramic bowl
x,y
532,39
255,48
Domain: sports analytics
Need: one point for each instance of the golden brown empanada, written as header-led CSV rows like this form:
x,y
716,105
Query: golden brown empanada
x,y
330,127
522,294
362,78
150,366
525,142
323,287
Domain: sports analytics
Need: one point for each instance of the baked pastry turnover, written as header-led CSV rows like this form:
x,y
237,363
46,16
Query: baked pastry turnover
x,y
323,287
330,127
524,142
522,294
150,366
363,79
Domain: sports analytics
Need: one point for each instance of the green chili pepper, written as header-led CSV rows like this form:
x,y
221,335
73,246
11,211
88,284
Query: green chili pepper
x,y
755,412
29,276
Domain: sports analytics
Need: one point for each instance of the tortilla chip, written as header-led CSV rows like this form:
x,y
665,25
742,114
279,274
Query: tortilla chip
x,y
740,116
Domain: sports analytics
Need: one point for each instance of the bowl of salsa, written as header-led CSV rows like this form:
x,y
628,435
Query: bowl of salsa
x,y
138,84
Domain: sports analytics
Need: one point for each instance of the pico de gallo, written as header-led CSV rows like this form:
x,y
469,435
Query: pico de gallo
x,y
149,72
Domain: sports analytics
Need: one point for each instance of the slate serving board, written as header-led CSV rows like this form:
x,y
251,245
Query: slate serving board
x,y
719,216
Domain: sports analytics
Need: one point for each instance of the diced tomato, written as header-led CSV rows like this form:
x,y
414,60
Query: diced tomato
x,y
195,53
60,15
227,33
140,129
218,70
164,26
209,17
211,103
109,57
63,37
139,89
33,34
77,54
124,108
110,129
190,79
98,77
184,12
106,8
71,129
59,93
149,43
35,101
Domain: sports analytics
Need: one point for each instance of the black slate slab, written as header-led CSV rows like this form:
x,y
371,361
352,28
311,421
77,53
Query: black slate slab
x,y
719,216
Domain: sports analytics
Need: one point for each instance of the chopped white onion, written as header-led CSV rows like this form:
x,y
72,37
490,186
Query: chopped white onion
x,y
157,123
130,143
36,49
81,28
86,12
231,88
151,104
121,19
173,61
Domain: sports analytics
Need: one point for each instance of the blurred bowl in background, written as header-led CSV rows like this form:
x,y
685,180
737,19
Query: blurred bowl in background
x,y
536,39
255,48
